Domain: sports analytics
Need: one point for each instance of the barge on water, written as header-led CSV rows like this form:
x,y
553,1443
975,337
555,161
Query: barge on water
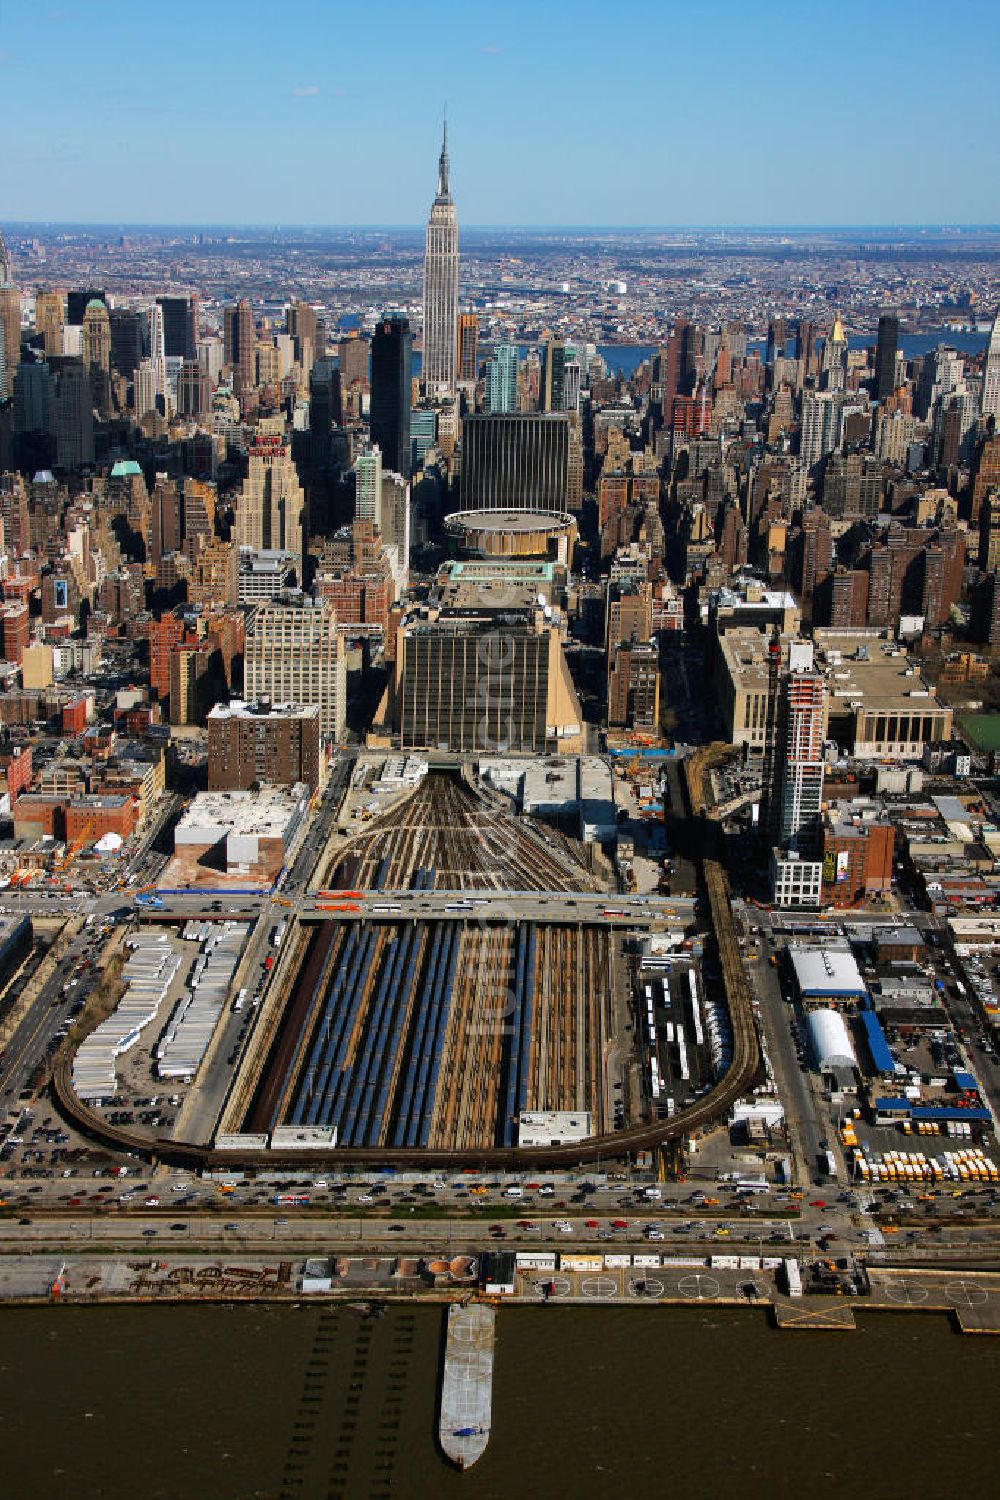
x,y
467,1384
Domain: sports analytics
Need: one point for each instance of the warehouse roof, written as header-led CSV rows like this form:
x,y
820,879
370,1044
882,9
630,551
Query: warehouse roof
x,y
877,1044
826,971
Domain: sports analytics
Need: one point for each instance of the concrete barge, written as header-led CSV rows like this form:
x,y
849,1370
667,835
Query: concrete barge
x,y
467,1384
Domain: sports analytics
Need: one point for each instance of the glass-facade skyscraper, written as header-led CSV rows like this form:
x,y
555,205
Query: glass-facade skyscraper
x,y
501,380
392,363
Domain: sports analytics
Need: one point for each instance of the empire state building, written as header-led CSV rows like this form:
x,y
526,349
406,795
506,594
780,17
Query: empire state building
x,y
441,288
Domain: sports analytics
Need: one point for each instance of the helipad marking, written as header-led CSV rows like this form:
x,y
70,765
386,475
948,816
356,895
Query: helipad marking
x,y
697,1287
645,1286
966,1293
598,1286
905,1292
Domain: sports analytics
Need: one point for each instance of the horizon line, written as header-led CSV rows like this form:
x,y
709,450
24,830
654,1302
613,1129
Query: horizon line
x,y
941,226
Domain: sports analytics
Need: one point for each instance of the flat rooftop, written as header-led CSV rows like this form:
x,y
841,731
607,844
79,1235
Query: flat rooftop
x,y
826,971
509,520
237,709
265,813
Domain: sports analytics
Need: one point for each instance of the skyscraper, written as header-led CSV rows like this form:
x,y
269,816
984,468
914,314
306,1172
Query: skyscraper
x,y
240,342
391,392
515,462
552,396
126,340
294,654
440,350
822,418
468,348
885,356
801,725
835,357
49,320
501,380
10,329
368,487
352,359
97,353
157,350
991,379
180,326
73,414
269,513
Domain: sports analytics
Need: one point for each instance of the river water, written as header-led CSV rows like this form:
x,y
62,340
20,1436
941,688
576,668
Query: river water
x,y
273,1403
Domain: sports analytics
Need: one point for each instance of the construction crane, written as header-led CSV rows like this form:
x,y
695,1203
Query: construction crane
x,y
74,848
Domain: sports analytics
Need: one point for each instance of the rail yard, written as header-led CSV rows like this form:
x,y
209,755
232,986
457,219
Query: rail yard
x,y
440,1033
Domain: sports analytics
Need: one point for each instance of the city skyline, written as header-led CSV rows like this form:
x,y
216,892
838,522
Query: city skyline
x,y
764,157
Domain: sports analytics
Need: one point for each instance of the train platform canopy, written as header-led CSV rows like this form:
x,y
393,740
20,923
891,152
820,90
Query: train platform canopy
x,y
827,975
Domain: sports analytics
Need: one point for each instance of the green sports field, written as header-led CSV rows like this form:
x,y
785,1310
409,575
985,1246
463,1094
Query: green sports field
x,y
982,730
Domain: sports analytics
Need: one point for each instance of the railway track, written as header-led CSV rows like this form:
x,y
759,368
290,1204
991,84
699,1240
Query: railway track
x,y
741,1074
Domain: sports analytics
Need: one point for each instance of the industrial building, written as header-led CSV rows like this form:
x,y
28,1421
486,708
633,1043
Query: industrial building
x,y
237,832
827,978
16,935
832,1050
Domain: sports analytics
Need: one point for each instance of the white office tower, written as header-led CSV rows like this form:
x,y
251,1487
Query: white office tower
x,y
368,486
294,654
157,353
822,413
991,379
440,348
799,745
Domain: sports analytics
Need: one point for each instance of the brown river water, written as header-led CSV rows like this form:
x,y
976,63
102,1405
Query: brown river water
x,y
274,1403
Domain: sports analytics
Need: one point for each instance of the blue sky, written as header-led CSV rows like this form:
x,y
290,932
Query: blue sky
x,y
325,112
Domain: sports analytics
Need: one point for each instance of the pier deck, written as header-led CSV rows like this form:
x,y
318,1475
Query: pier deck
x,y
467,1384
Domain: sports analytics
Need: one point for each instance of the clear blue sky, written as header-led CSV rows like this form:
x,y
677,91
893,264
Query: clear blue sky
x,y
560,111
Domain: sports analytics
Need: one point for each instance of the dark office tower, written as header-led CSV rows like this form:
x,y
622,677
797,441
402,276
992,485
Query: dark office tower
x,y
552,394
691,347
515,462
352,357
192,390
324,398
76,305
126,341
777,337
300,324
805,343
73,416
468,348
670,370
180,327
239,341
885,356
392,363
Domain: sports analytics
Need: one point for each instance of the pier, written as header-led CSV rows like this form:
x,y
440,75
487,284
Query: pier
x,y
467,1384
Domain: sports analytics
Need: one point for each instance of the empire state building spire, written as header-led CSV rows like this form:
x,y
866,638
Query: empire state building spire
x,y
440,352
442,191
